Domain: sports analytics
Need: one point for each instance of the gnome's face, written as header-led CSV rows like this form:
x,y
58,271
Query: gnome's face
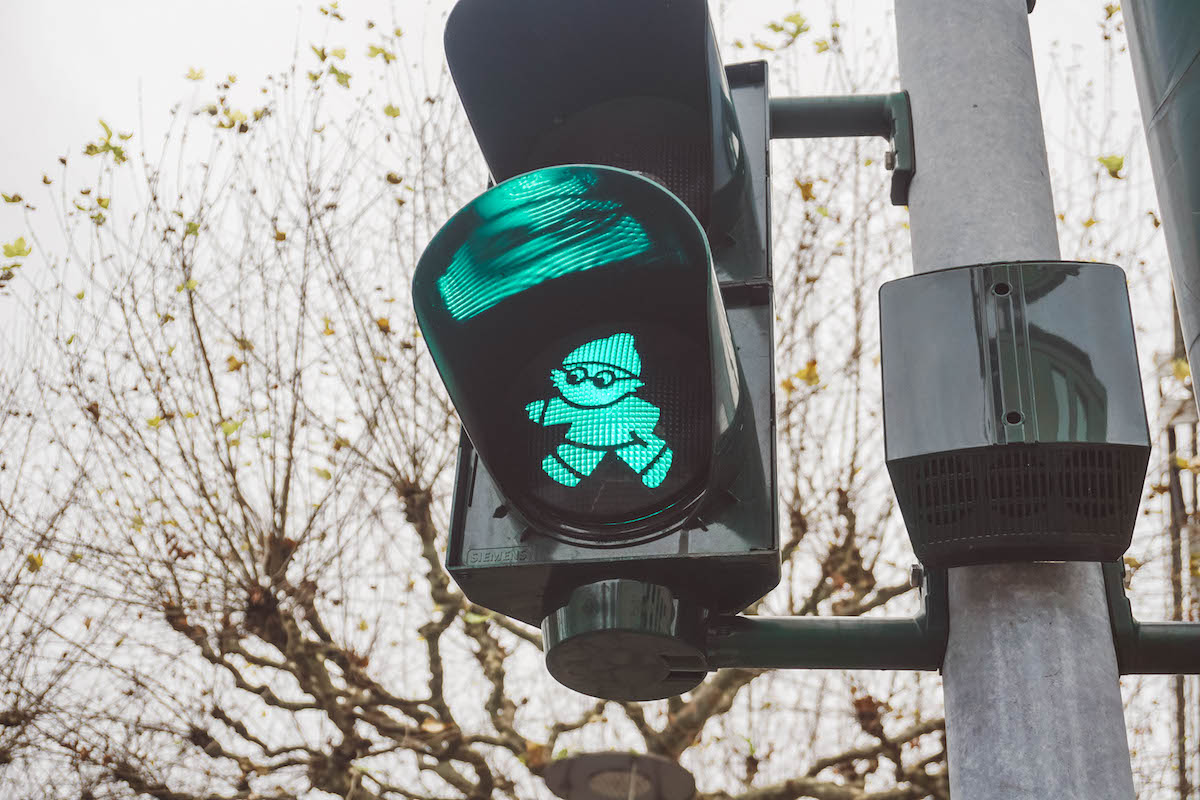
x,y
593,385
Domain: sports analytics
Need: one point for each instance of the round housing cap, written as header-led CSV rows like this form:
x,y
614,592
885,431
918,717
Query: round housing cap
x,y
619,776
626,640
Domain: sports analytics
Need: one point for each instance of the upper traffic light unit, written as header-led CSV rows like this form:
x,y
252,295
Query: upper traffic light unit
x,y
636,85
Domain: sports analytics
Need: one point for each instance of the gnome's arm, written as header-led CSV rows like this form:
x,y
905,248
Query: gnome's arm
x,y
550,412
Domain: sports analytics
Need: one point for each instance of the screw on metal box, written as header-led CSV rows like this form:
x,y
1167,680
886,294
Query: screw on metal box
x,y
619,776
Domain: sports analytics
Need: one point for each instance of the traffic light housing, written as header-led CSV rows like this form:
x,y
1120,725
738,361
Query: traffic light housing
x,y
602,320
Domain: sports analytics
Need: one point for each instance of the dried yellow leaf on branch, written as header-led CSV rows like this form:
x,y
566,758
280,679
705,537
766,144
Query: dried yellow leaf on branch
x,y
17,249
809,373
1181,369
374,51
1114,165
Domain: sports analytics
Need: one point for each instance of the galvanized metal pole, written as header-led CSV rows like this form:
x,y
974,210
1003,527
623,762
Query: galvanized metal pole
x,y
1033,706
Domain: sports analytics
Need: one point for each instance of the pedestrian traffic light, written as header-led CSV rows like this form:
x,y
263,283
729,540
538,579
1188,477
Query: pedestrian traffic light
x,y
575,316
602,320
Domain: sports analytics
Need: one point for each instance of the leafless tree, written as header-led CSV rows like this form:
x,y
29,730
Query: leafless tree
x,y
231,464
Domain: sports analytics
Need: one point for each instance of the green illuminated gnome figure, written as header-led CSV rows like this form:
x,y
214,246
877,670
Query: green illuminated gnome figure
x,y
596,382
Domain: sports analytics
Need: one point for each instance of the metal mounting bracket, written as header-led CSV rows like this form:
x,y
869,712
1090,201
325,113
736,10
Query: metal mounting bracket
x,y
917,643
886,115
1148,648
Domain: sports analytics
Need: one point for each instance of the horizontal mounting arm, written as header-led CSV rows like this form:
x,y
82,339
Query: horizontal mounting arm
x,y
917,643
886,115
1148,648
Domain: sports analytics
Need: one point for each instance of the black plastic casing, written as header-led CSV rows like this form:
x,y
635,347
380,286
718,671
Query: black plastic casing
x,y
1014,422
636,84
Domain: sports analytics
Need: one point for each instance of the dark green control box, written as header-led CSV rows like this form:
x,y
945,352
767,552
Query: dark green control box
x,y
1014,421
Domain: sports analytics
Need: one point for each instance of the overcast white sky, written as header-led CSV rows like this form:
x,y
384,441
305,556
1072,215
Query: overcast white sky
x,y
71,62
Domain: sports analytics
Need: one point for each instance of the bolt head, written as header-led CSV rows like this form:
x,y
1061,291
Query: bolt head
x,y
916,576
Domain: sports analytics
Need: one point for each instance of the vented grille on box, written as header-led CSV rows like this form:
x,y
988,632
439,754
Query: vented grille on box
x,y
1019,502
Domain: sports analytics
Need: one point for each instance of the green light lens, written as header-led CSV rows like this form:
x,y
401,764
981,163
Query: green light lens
x,y
540,226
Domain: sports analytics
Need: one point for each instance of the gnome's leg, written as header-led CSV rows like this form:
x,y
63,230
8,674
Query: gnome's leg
x,y
570,464
650,458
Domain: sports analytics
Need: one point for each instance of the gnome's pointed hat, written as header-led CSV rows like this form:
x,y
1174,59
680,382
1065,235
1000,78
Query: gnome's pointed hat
x,y
617,351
